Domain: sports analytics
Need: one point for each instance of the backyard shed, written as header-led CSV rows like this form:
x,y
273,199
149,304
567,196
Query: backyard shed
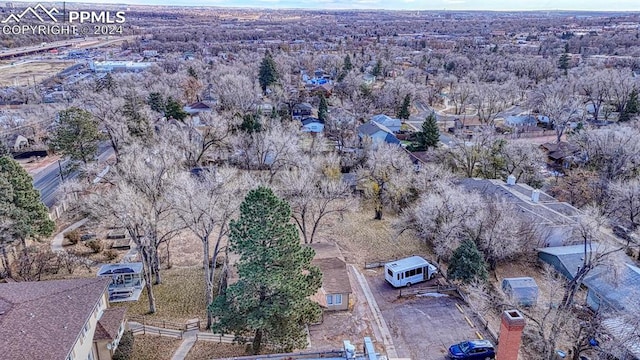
x,y
522,290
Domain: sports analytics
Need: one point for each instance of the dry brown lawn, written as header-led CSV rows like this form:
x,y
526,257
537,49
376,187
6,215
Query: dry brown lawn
x,y
179,298
207,350
23,74
150,347
363,239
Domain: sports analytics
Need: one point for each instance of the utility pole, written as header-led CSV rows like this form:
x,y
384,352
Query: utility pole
x,y
60,169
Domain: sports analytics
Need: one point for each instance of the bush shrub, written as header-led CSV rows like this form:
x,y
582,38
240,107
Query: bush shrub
x,y
73,236
94,245
125,348
111,254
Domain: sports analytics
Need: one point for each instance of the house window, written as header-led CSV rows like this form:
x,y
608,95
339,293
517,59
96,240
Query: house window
x,y
338,299
85,329
329,299
90,356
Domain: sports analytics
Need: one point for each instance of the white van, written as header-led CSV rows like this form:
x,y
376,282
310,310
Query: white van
x,y
408,271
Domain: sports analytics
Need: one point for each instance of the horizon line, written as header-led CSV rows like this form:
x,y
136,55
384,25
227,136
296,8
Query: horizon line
x,y
258,7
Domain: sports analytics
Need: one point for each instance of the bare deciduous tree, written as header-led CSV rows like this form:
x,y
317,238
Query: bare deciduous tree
x,y
205,204
315,192
386,177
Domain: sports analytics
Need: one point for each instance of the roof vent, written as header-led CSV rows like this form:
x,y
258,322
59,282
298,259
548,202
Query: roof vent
x,y
511,180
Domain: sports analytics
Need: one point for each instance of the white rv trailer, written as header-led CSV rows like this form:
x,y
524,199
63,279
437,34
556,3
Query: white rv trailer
x,y
408,271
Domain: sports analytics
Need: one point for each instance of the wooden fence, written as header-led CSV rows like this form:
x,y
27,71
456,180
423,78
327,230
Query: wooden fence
x,y
205,336
159,323
145,330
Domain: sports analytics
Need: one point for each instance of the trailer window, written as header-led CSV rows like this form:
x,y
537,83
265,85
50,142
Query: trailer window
x,y
390,272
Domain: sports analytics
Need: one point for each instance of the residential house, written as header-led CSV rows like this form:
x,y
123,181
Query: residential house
x,y
301,111
126,280
336,286
520,120
19,142
567,260
553,220
560,155
368,79
392,124
195,109
611,290
617,289
59,319
312,125
467,125
378,133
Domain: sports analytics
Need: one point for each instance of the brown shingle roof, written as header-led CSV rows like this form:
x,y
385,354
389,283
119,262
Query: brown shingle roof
x,y
109,324
335,279
43,319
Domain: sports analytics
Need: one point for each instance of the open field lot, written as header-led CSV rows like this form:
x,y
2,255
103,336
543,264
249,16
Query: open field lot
x,y
421,327
23,73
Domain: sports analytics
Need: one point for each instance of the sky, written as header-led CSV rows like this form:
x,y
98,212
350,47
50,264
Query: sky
x,y
499,5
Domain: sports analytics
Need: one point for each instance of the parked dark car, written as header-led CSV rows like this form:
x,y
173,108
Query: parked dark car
x,y
86,237
472,350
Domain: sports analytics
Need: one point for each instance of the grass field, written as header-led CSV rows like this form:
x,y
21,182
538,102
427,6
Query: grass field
x,y
179,298
24,73
207,350
149,347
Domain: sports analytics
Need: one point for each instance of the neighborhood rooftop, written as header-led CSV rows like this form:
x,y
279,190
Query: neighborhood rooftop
x,y
41,320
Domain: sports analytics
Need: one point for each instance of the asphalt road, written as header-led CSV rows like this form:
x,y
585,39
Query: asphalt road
x,y
48,180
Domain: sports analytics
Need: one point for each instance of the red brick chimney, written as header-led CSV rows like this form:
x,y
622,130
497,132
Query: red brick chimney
x,y
510,334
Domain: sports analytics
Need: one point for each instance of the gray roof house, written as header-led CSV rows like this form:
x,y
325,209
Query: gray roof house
x,y
618,291
567,259
391,123
554,220
377,132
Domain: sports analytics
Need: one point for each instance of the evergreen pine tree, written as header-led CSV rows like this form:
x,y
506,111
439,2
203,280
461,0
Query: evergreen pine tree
x,y
563,63
467,263
23,214
404,113
268,74
192,72
76,135
173,109
631,107
430,134
377,69
270,301
323,109
347,65
156,102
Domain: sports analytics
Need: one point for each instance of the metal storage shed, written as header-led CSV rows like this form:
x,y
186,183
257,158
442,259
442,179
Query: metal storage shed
x,y
522,290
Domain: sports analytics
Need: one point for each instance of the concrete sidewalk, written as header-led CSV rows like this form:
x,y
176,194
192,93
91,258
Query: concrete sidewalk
x,y
387,340
189,338
56,243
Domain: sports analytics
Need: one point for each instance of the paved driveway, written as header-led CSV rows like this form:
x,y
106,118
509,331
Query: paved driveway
x,y
422,327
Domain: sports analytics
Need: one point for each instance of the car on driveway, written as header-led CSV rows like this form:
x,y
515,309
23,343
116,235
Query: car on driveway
x,y
472,350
